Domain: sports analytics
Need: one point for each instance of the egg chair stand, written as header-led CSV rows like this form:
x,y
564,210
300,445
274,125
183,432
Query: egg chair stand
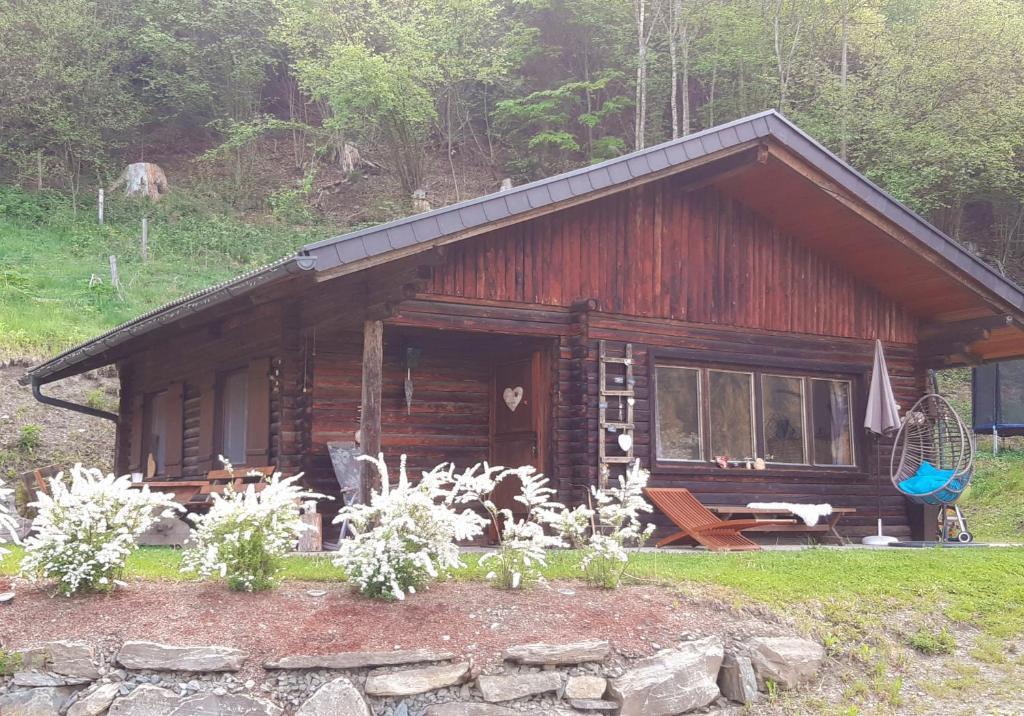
x,y
934,435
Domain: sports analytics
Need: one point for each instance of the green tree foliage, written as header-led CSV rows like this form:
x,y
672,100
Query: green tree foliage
x,y
67,104
926,97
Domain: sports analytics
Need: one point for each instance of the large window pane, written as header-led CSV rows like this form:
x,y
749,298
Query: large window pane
x,y
783,398
678,402
832,416
233,411
731,401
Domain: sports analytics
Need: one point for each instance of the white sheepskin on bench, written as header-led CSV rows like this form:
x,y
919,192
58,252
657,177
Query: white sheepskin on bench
x,y
810,514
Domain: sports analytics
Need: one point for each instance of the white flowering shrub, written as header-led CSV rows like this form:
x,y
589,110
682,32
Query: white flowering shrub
x,y
245,534
8,525
85,529
614,525
406,537
523,541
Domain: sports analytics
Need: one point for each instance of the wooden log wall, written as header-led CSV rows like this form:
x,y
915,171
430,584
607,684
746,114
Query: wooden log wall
x,y
194,356
705,345
660,251
448,420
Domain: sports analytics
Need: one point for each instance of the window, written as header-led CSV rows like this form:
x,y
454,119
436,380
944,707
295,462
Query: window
x,y
833,422
732,413
789,420
782,397
679,422
155,434
233,409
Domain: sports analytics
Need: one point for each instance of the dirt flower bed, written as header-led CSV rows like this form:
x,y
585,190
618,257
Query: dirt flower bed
x,y
469,619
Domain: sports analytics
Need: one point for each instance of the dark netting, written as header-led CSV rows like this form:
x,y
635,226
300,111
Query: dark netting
x,y
1011,392
985,381
999,398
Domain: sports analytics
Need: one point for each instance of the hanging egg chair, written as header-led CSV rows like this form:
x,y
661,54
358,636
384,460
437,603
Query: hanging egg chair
x,y
933,457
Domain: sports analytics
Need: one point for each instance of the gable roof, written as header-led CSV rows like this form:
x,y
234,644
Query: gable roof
x,y
351,252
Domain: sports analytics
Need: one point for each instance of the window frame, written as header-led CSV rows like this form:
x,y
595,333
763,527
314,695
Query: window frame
x,y
854,375
753,409
218,414
805,423
656,418
853,440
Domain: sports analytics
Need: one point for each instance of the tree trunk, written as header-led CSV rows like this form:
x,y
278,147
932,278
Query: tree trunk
x,y
686,78
673,30
640,114
843,71
784,60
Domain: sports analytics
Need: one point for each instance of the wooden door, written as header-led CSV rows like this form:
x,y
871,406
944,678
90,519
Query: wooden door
x,y
518,412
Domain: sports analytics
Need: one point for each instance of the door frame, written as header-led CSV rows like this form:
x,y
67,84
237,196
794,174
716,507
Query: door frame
x,y
541,374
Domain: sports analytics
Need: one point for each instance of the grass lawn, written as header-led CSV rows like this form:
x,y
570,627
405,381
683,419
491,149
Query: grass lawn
x,y
854,590
994,504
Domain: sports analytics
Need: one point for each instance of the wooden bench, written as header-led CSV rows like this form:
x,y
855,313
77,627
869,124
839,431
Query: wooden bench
x,y
196,493
826,526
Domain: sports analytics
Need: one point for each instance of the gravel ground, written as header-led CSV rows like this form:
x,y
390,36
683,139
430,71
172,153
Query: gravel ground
x,y
469,619
66,437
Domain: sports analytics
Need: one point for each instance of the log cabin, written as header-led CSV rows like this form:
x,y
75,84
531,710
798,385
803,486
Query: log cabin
x,y
718,295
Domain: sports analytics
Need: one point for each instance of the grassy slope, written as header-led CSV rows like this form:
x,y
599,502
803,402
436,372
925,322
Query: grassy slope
x,y
48,257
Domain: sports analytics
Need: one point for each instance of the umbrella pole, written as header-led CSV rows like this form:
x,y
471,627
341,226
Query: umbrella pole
x,y
880,539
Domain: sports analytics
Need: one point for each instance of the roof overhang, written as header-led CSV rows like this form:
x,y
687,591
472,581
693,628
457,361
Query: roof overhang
x,y
103,349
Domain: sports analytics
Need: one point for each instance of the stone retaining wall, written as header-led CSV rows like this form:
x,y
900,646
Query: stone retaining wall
x,y
148,679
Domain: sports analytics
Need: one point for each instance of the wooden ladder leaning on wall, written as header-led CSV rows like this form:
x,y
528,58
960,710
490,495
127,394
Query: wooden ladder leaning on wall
x,y
626,394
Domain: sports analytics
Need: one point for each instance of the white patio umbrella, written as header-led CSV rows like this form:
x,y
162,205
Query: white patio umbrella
x,y
882,418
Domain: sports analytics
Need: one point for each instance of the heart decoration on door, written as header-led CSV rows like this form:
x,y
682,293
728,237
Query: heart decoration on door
x,y
625,441
513,397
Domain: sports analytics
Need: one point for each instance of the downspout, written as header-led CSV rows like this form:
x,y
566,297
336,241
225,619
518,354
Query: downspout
x,y
68,405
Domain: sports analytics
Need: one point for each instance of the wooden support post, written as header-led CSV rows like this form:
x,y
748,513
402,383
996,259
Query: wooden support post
x,y
99,206
145,238
369,427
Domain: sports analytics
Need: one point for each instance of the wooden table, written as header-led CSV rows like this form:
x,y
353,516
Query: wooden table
x,y
825,525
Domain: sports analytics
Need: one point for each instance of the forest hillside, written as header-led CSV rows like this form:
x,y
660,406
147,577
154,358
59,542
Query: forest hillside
x,y
282,121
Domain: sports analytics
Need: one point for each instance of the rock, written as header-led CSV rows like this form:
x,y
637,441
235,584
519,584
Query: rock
x,y
334,698
594,705
416,681
456,709
7,597
70,659
169,531
359,659
45,701
787,661
146,700
224,705
506,687
558,654
736,679
161,657
672,681
585,687
95,702
45,678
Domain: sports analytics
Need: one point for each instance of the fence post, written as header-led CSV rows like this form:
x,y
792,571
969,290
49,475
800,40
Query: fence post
x,y
114,280
145,238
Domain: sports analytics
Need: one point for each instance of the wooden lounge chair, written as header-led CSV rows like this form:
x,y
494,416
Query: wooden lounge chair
x,y
702,525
